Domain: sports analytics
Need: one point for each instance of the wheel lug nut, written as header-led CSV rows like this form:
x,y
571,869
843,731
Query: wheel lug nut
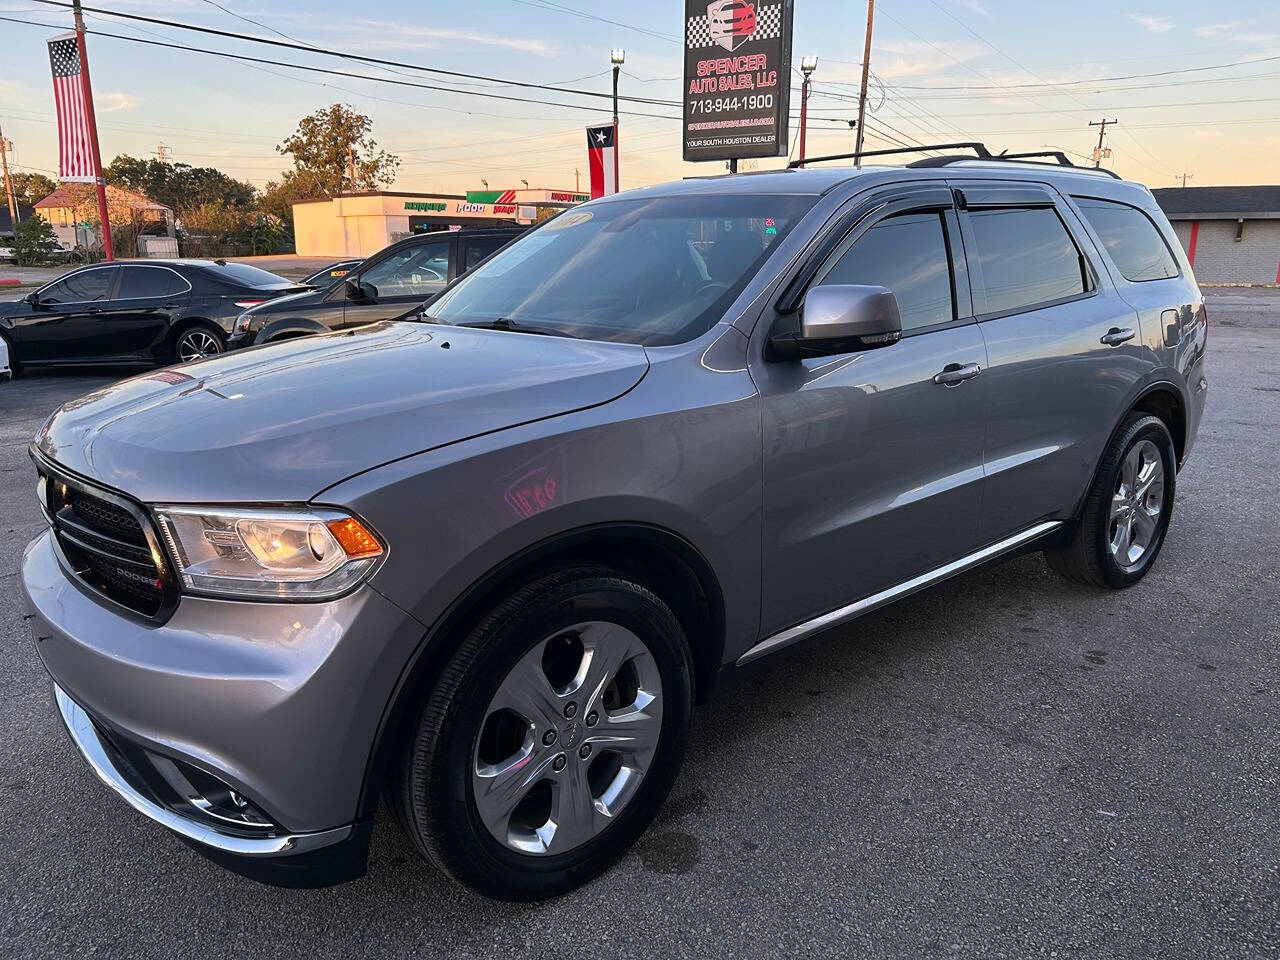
x,y
585,751
559,763
549,738
570,710
592,718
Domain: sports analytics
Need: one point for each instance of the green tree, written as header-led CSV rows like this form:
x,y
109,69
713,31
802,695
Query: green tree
x,y
180,186
31,188
331,143
33,239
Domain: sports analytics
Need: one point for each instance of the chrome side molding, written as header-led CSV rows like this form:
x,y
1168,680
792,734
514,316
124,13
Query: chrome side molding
x,y
791,635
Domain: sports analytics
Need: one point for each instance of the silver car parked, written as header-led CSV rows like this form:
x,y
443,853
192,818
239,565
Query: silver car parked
x,y
660,437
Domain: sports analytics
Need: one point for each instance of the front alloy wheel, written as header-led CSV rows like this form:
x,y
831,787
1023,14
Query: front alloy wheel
x,y
568,738
197,344
550,738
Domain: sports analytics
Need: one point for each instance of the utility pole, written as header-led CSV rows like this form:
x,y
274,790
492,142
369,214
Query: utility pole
x,y
86,93
1185,177
866,72
8,184
577,186
351,166
807,66
1102,129
163,152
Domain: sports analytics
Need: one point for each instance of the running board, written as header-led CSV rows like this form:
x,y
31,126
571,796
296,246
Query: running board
x,y
856,609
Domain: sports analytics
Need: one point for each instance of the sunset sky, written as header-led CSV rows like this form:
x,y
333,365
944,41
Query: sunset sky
x,y
1014,75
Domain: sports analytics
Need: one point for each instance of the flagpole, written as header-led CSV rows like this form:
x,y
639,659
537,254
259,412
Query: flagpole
x,y
87,93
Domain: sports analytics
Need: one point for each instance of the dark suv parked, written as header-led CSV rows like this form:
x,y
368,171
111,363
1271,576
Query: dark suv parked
x,y
383,287
661,436
160,311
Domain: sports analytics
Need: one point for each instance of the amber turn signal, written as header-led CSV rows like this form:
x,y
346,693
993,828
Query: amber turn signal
x,y
354,538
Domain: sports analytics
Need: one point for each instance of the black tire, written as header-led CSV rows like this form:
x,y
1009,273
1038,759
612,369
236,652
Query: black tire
x,y
1087,557
211,335
430,788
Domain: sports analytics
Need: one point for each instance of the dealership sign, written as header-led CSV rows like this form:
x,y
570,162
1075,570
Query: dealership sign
x,y
737,67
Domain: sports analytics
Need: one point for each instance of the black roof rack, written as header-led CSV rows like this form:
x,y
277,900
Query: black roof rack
x,y
980,150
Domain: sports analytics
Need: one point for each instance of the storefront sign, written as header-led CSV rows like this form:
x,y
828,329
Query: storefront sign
x,y
424,206
737,67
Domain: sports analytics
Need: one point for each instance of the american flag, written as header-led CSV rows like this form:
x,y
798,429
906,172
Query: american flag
x,y
75,156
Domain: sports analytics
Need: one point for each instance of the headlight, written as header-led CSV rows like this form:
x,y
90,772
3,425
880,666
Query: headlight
x,y
270,554
243,323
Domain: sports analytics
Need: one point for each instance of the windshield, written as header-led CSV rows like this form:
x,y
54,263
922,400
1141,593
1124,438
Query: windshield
x,y
650,271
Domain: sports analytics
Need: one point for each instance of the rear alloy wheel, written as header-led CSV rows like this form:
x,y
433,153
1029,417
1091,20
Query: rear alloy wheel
x,y
197,343
551,738
1126,513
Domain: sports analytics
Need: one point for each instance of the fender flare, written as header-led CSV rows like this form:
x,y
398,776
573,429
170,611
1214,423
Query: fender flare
x,y
433,647
290,326
1159,382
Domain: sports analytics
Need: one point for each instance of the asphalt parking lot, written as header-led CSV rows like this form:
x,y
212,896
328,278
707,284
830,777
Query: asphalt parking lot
x,y
1007,766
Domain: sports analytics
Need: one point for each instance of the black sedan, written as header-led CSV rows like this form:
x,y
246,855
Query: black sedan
x,y
153,311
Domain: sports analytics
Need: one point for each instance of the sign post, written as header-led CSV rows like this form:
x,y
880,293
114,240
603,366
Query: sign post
x,y
737,79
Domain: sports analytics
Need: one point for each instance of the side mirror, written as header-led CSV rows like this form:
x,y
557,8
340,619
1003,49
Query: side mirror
x,y
353,290
840,318
33,298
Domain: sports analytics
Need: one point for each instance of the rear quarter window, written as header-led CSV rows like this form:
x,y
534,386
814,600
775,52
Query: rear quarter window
x,y
1131,239
1024,258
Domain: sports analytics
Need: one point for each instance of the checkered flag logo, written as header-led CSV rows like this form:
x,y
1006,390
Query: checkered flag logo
x,y
716,26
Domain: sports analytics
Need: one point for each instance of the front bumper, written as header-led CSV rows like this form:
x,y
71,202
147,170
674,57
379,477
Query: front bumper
x,y
238,340
294,860
279,703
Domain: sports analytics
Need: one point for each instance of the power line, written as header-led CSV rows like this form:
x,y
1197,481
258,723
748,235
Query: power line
x,y
377,61
560,8
341,73
1042,84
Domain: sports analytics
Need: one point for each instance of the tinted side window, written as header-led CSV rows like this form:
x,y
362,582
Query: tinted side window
x,y
908,255
1024,257
139,282
477,250
83,287
414,271
1130,238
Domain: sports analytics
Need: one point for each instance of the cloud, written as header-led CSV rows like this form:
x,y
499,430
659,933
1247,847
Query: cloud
x,y
974,6
112,102
385,35
1215,29
1154,24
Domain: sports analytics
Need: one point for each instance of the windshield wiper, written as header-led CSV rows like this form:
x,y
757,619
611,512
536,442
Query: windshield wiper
x,y
503,323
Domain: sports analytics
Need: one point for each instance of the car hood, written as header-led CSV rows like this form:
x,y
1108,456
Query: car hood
x,y
285,421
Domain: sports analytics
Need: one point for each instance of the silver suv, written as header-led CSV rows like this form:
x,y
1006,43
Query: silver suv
x,y
482,562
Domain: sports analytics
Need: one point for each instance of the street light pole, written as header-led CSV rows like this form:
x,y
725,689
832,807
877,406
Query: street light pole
x,y
807,66
617,57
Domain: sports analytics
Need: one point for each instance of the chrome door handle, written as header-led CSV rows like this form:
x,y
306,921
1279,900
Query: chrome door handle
x,y
1116,336
954,373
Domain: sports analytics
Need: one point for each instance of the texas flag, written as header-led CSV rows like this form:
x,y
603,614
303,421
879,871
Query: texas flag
x,y
602,157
